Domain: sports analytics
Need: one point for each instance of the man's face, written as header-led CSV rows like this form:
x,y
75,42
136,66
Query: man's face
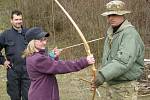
x,y
115,20
16,21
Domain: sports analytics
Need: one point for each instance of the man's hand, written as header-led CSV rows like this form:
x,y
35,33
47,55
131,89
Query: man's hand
x,y
99,80
7,64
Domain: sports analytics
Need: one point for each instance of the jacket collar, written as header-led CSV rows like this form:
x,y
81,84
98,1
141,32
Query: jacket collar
x,y
124,25
22,31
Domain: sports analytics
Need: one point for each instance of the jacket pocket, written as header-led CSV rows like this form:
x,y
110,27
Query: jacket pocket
x,y
123,57
10,48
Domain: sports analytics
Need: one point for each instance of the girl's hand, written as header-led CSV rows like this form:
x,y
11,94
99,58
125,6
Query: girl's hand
x,y
90,59
57,51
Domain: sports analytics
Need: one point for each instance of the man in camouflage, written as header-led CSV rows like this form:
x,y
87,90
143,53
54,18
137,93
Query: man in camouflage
x,y
123,56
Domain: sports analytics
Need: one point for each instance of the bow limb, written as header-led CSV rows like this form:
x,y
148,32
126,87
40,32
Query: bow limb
x,y
87,48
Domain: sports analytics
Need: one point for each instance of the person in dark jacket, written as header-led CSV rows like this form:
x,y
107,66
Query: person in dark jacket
x,y
42,68
123,56
13,42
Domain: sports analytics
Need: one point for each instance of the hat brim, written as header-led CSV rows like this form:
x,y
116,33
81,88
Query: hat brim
x,y
43,34
115,13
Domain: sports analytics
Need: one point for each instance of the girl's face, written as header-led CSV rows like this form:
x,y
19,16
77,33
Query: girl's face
x,y
41,43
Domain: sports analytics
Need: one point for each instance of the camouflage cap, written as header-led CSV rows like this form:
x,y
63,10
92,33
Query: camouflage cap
x,y
115,7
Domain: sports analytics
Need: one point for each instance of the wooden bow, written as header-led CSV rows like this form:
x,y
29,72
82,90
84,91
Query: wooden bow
x,y
87,48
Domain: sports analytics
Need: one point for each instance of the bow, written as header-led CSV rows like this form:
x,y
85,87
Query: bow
x,y
87,48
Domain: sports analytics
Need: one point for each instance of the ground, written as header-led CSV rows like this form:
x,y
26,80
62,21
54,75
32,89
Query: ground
x,y
144,86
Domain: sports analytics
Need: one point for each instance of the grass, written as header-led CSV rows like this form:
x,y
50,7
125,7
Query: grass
x,y
3,92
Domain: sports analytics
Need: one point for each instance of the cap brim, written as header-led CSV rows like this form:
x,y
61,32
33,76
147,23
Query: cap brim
x,y
115,13
43,34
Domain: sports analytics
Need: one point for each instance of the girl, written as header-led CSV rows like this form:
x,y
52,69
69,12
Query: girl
x,y
42,69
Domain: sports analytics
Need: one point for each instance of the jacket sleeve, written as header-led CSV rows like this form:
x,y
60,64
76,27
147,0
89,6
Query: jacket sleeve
x,y
47,65
125,58
2,42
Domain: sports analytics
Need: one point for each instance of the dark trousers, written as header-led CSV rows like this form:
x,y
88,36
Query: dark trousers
x,y
17,84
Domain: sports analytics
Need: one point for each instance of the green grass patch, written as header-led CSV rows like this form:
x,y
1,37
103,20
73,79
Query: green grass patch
x,y
3,92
